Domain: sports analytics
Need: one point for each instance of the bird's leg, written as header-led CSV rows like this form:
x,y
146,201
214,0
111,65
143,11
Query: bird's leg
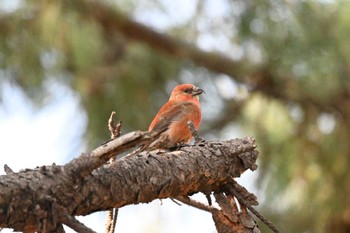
x,y
197,139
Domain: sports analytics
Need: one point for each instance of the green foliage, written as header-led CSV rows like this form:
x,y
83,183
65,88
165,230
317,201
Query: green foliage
x,y
295,55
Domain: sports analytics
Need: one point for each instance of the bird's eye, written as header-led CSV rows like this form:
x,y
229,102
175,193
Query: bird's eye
x,y
188,90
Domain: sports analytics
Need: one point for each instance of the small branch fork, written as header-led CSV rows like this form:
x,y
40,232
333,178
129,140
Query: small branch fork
x,y
247,203
229,218
112,214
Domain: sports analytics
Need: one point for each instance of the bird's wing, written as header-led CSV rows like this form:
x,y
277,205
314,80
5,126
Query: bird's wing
x,y
169,113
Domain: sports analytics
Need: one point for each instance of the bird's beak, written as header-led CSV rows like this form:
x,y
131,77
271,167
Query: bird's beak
x,y
197,91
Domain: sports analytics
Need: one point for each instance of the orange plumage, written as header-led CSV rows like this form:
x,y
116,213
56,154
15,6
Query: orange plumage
x,y
171,120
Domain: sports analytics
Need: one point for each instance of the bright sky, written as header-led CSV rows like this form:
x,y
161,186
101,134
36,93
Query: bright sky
x,y
32,136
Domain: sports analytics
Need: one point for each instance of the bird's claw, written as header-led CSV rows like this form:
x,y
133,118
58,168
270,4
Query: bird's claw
x,y
198,141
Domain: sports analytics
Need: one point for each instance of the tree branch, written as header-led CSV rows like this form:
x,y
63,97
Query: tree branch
x,y
33,196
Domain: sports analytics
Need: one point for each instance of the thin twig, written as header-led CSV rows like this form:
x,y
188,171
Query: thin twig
x,y
177,203
115,217
109,220
196,204
115,129
112,214
75,224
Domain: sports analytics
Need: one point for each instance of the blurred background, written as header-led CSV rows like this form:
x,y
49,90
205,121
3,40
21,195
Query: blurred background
x,y
281,75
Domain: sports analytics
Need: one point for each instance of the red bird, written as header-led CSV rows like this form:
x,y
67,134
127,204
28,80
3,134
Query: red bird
x,y
171,120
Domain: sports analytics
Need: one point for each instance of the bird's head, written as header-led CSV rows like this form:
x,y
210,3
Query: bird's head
x,y
186,92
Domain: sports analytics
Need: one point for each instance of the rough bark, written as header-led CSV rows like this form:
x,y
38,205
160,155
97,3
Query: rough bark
x,y
46,197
